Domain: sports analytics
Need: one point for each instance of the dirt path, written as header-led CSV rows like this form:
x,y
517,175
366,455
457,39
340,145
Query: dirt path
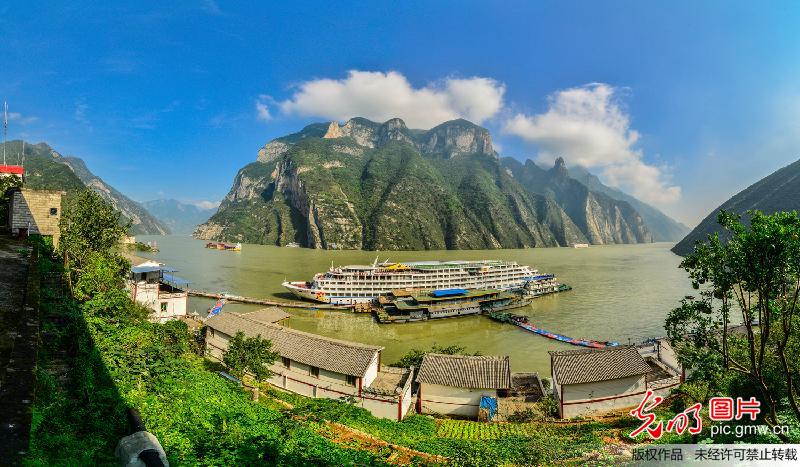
x,y
19,329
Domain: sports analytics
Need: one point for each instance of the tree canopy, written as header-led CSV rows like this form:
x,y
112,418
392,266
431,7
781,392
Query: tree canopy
x,y
745,321
252,355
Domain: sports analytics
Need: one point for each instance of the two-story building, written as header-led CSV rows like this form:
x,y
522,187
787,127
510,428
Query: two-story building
x,y
153,285
319,366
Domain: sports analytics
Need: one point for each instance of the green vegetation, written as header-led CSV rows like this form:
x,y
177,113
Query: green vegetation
x,y
251,355
742,335
414,356
404,194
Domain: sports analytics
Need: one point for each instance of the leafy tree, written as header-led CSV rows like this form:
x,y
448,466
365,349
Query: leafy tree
x,y
89,225
251,355
754,278
414,356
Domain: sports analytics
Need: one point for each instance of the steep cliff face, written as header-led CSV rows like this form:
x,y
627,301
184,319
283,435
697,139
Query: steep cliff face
x,y
600,218
368,185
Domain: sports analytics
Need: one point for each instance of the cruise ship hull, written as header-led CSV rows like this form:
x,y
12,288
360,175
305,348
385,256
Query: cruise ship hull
x,y
351,285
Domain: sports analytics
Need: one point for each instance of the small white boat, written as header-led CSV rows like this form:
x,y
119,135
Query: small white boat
x,y
293,245
580,245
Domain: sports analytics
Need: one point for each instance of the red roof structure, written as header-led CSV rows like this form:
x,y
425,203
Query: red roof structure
x,y
11,169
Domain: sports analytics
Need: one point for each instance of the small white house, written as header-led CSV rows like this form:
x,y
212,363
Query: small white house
x,y
318,366
454,384
594,381
154,286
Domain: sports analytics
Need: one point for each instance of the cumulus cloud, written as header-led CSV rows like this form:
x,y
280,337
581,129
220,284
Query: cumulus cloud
x,y
588,126
262,108
380,96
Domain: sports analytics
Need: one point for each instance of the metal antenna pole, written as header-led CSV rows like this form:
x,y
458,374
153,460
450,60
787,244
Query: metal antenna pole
x,y
5,129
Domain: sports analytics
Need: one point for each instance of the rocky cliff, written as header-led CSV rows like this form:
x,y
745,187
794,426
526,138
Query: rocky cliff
x,y
383,186
601,219
779,191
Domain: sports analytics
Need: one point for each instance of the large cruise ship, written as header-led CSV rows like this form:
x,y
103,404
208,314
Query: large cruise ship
x,y
346,285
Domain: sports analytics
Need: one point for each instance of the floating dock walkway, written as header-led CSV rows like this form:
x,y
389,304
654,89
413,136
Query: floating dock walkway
x,y
262,301
522,321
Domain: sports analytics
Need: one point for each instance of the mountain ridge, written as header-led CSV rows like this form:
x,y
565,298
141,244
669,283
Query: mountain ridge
x,y
369,185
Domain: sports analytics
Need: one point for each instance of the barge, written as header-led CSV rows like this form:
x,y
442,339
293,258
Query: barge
x,y
402,306
348,285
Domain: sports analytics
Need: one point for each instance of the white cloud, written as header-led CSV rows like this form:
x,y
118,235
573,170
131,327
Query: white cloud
x,y
588,126
380,96
262,109
207,204
22,120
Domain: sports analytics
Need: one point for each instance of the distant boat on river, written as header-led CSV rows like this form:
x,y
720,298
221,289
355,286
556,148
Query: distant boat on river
x,y
224,246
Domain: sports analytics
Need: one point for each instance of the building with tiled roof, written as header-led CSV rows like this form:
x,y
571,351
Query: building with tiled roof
x,y
454,384
315,365
593,381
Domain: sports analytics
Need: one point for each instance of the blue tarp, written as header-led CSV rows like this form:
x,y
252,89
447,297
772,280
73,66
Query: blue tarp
x,y
489,403
448,292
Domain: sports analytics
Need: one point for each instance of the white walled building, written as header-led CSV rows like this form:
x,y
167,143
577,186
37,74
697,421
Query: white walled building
x,y
594,381
454,384
154,286
318,366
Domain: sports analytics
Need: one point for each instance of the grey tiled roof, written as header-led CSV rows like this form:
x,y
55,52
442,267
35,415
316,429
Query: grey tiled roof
x,y
271,314
586,366
465,371
349,358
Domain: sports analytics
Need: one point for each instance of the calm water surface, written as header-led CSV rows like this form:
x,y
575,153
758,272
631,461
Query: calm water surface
x,y
620,292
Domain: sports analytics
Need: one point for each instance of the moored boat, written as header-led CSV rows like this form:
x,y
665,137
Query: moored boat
x,y
347,285
224,246
415,305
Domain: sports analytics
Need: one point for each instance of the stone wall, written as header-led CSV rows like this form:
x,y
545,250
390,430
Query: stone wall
x,y
36,210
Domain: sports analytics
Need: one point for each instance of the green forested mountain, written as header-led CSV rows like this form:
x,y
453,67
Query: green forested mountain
x,y
367,185
779,191
47,169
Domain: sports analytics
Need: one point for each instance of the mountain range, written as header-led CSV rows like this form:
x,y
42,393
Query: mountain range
x,y
47,169
180,218
775,192
383,186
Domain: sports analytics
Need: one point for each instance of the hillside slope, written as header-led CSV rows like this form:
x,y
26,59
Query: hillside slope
x,y
47,169
779,191
180,218
366,185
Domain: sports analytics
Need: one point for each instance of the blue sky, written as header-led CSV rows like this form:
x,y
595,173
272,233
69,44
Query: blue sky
x,y
680,103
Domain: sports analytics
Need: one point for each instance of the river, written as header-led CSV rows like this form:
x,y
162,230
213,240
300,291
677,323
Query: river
x,y
620,292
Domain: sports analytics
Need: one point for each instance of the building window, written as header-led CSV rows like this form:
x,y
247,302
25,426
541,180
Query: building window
x,y
164,307
53,211
211,330
351,380
314,372
286,362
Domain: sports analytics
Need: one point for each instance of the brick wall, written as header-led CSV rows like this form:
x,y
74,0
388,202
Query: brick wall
x,y
31,209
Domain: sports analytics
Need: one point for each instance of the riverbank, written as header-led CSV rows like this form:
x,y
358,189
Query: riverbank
x,y
620,292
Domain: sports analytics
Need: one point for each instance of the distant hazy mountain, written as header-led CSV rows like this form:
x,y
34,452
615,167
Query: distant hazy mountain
x,y
779,191
369,185
181,218
601,218
663,227
47,169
